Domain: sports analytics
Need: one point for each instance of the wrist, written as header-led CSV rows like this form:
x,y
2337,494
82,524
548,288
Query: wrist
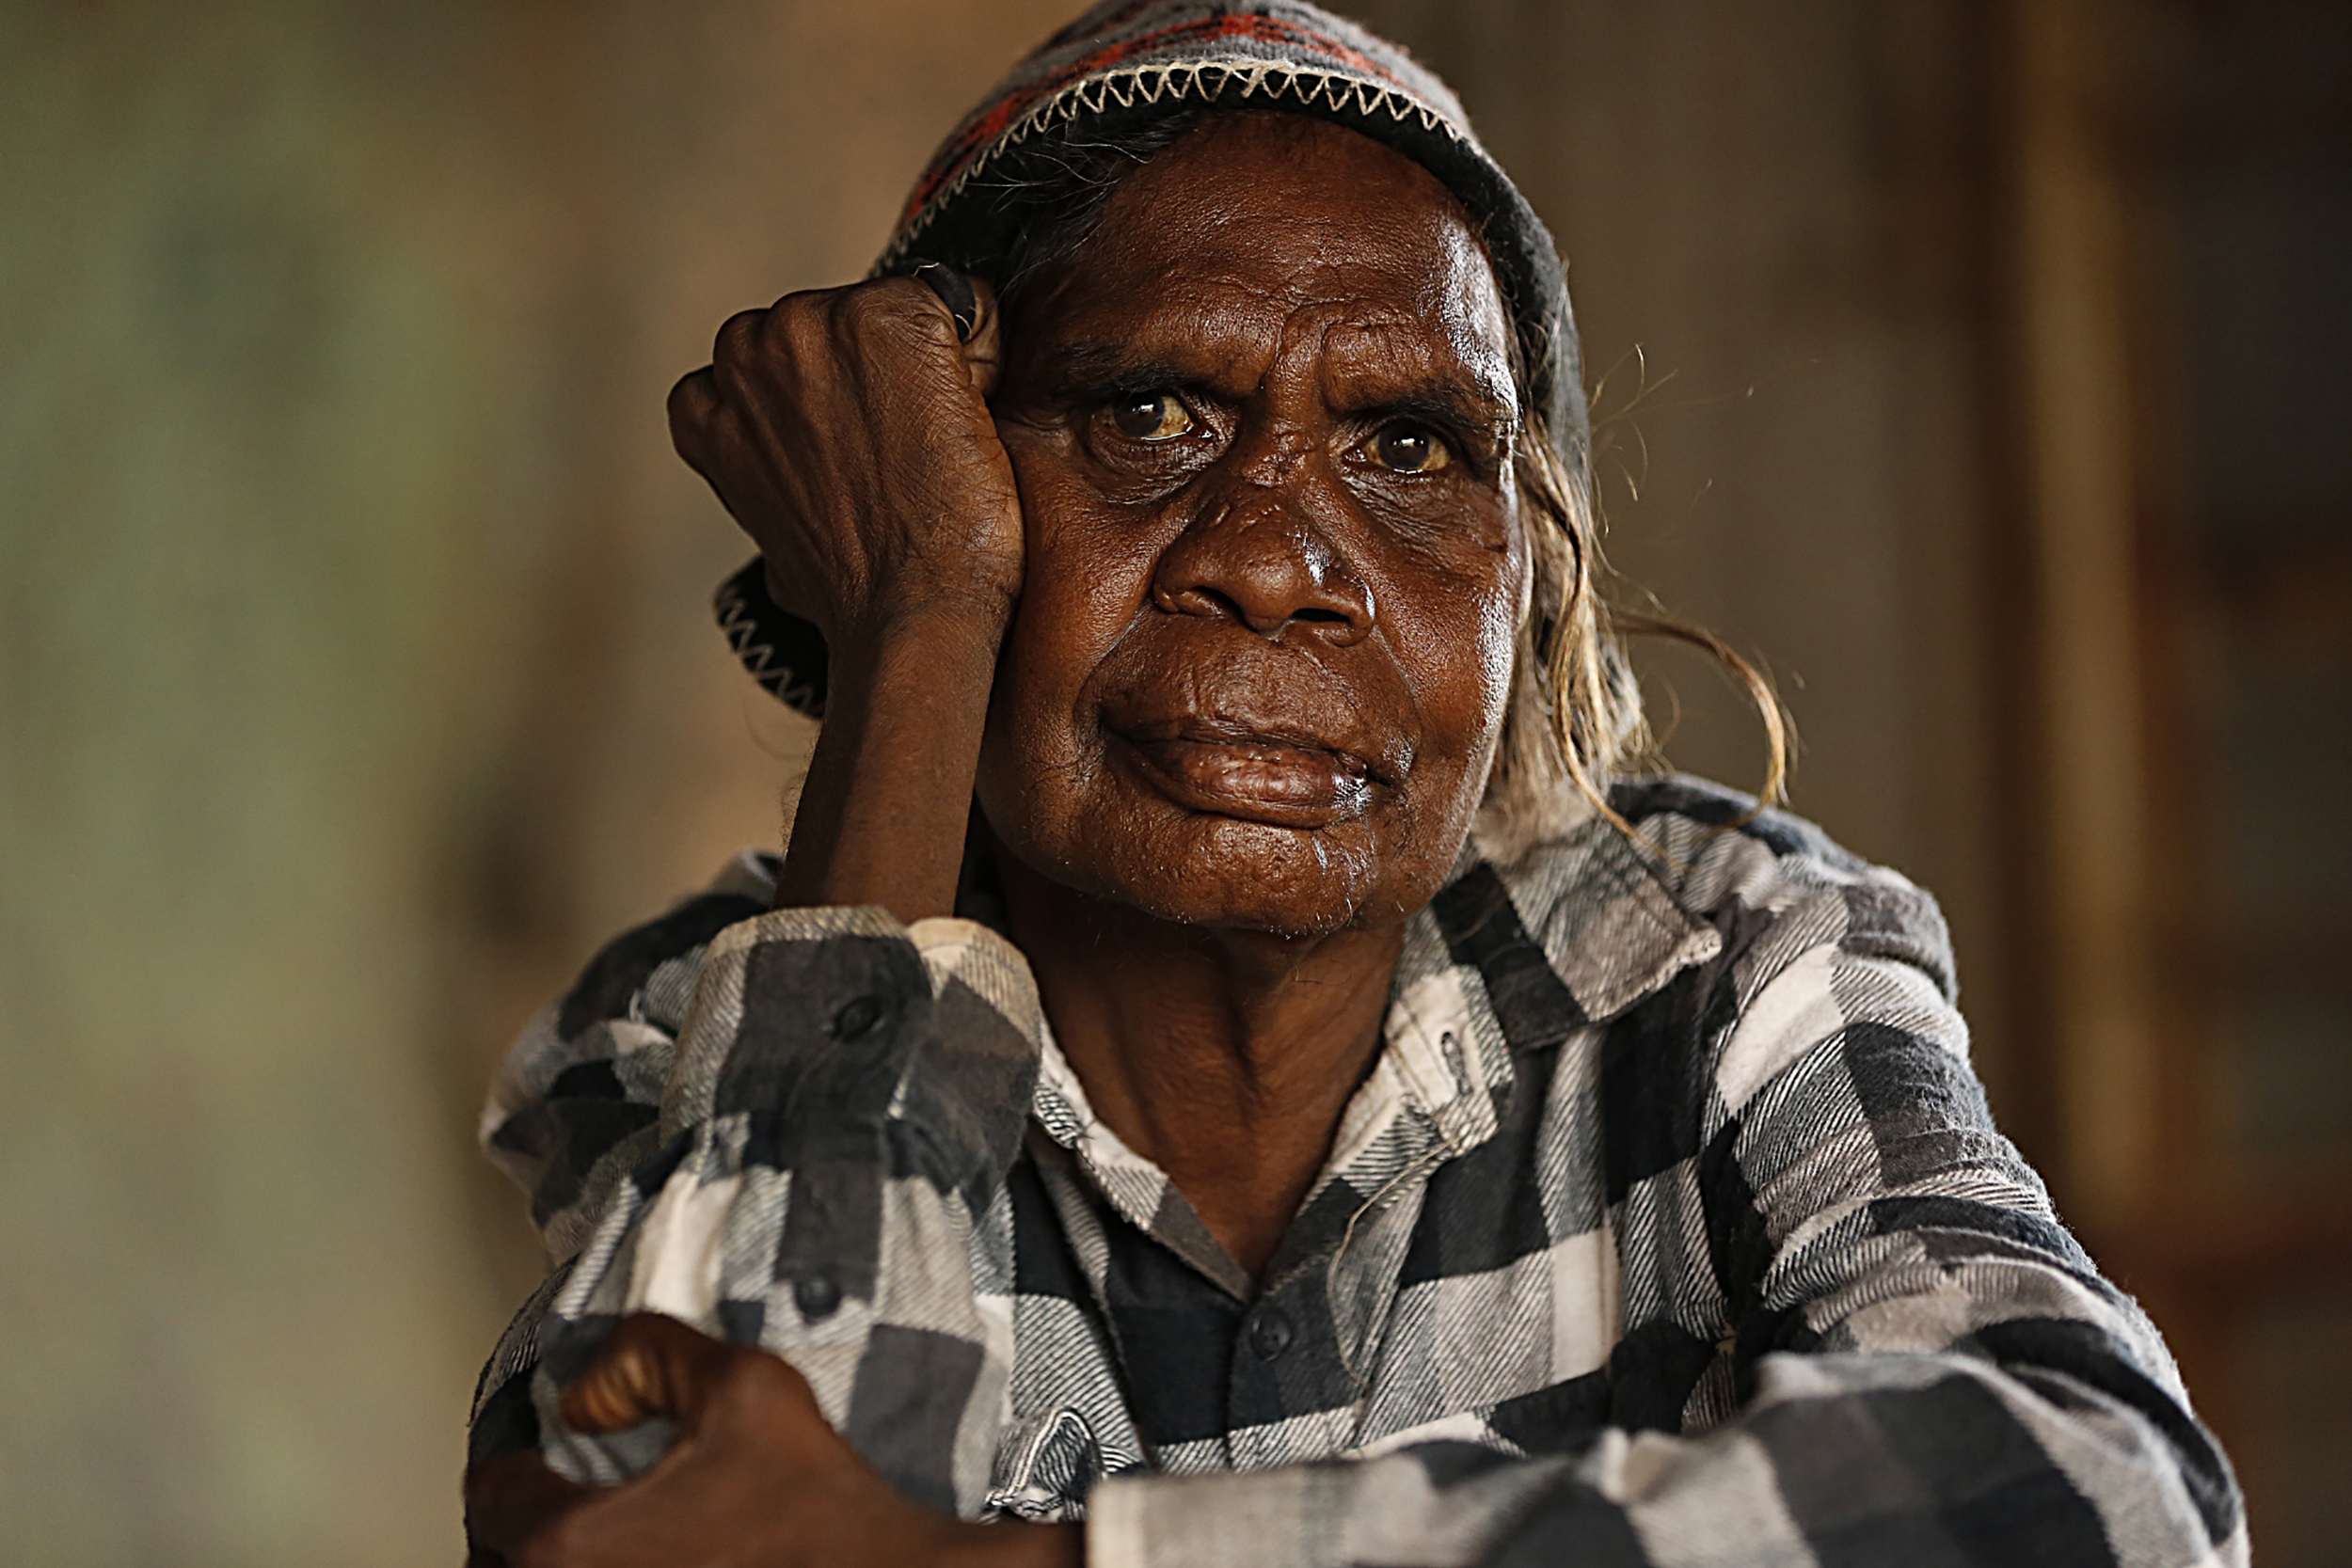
x,y
939,638
883,814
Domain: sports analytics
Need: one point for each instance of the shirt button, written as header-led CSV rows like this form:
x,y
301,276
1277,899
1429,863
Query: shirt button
x,y
1269,1332
857,1020
816,1295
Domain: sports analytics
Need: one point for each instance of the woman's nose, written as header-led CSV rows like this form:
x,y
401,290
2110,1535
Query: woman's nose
x,y
1264,564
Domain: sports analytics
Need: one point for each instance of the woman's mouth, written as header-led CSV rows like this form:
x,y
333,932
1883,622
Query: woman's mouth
x,y
1285,780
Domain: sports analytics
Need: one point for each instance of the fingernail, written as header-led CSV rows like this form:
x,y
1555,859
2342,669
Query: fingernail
x,y
955,292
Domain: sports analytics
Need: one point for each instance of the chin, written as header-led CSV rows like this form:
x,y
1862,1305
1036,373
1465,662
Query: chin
x,y
1243,912
1223,873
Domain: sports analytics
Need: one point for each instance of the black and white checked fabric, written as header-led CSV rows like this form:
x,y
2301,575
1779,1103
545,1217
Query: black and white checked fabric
x,y
1670,1228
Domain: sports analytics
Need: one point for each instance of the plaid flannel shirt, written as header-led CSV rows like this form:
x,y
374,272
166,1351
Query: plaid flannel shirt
x,y
1670,1228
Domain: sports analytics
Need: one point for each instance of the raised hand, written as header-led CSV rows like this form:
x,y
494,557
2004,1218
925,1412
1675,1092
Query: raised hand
x,y
846,431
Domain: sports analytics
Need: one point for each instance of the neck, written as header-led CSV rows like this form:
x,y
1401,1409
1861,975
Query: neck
x,y
1224,1057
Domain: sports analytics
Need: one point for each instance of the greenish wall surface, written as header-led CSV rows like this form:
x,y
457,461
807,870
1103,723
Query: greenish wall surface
x,y
247,448
355,680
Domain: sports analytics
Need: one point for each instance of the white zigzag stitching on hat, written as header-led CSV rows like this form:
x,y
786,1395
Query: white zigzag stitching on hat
x,y
739,623
1151,84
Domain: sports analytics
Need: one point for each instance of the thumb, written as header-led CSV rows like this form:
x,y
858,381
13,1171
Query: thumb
x,y
971,304
649,1365
983,350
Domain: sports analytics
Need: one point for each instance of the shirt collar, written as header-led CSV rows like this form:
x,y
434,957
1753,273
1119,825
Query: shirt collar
x,y
1588,912
1514,958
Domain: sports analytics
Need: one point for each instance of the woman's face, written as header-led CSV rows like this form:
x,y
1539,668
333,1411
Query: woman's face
x,y
1262,425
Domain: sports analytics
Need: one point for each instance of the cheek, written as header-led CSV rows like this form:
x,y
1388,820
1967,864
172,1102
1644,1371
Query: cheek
x,y
1085,580
1502,610
1082,587
1498,650
1465,675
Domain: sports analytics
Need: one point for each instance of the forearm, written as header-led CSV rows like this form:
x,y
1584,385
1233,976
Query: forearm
x,y
883,815
1935,1459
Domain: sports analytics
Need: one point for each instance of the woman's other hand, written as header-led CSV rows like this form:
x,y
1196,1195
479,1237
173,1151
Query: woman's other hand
x,y
756,1479
846,431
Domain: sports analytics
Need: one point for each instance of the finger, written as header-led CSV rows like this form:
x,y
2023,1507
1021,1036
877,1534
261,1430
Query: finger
x,y
649,1365
983,350
739,334
955,291
743,349
971,303
762,1404
694,404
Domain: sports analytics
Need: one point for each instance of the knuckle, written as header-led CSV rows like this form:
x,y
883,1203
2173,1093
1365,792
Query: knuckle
x,y
877,298
795,315
693,393
737,335
886,302
785,337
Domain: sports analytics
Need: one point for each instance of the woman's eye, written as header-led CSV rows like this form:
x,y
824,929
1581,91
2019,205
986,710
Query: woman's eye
x,y
1151,416
1410,448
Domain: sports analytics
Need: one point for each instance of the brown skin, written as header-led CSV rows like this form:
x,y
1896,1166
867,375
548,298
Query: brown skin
x,y
757,1477
1217,615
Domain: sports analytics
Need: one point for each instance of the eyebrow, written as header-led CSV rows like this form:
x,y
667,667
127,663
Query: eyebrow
x,y
1100,368
1107,369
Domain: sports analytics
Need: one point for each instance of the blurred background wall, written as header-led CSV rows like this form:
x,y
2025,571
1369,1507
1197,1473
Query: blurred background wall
x,y
1977,365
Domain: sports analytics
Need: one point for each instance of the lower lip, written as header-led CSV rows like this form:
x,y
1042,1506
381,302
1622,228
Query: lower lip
x,y
1287,786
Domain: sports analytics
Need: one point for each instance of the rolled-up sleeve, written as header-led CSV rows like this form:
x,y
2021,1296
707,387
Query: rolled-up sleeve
x,y
843,1099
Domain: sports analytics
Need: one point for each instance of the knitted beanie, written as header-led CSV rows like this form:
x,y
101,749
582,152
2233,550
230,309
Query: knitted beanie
x,y
1127,62
1123,63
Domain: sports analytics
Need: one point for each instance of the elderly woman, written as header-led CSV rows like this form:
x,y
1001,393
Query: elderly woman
x,y
1306,1111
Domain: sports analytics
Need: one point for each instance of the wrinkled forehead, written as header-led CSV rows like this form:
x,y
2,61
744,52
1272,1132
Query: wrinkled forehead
x,y
1255,229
